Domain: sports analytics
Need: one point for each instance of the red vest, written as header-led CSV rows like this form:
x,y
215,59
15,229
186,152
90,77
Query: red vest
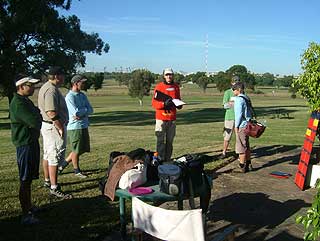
x,y
172,90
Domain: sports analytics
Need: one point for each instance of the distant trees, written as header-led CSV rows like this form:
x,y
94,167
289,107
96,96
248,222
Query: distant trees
x,y
33,37
95,80
139,84
308,83
265,79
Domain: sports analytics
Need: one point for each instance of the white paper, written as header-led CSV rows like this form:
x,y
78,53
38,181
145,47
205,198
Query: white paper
x,y
178,102
233,98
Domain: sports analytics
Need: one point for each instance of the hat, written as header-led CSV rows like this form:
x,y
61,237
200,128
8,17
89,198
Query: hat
x,y
55,70
78,78
167,71
25,79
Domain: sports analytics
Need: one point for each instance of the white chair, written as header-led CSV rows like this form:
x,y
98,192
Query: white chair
x,y
171,225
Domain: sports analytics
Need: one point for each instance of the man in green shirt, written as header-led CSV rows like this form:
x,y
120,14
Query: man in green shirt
x,y
25,129
228,103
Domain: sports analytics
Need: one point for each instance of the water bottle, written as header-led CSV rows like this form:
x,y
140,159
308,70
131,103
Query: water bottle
x,y
155,159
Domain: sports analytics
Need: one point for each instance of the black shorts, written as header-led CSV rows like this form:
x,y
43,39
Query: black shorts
x,y
28,159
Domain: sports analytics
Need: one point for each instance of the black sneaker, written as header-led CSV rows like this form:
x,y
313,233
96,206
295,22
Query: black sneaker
x,y
60,194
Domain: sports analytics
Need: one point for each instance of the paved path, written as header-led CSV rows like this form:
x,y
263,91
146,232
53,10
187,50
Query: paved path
x,y
265,207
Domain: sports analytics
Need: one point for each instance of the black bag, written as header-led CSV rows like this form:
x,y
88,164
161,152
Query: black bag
x,y
192,167
170,179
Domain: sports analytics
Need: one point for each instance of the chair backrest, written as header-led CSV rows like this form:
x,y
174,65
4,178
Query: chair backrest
x,y
172,225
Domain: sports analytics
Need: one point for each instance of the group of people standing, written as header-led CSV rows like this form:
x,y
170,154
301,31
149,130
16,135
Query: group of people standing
x,y
57,117
54,117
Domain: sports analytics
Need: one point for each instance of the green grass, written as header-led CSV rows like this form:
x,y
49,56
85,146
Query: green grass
x,y
119,123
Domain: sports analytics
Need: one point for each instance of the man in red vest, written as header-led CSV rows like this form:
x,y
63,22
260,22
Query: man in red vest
x,y
163,102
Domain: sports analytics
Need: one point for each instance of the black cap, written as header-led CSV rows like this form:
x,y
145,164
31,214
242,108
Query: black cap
x,y
55,70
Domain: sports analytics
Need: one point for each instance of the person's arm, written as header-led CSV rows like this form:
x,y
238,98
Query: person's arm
x,y
88,106
54,116
238,112
157,104
29,118
179,97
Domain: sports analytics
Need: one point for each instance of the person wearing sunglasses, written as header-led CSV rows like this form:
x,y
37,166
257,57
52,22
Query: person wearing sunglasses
x,y
165,128
25,131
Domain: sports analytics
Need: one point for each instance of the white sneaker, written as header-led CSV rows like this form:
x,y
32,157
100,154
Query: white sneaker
x,y
80,175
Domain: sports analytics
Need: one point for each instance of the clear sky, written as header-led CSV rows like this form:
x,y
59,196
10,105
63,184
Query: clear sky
x,y
263,35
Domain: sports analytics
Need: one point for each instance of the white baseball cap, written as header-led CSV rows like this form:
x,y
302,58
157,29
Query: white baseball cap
x,y
26,79
167,71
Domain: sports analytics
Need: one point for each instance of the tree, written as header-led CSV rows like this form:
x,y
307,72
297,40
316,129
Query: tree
x,y
139,84
123,78
203,82
308,83
33,37
222,81
285,81
247,78
95,80
265,79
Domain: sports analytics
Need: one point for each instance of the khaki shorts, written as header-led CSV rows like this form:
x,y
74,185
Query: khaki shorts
x,y
54,146
242,141
228,129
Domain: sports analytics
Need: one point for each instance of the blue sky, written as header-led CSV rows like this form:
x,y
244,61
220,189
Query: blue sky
x,y
263,35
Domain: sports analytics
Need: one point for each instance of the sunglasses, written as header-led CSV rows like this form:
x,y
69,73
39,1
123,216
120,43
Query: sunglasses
x,y
29,84
168,74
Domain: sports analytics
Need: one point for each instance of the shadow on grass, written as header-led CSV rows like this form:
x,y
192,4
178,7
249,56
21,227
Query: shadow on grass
x,y
143,118
254,211
85,219
204,115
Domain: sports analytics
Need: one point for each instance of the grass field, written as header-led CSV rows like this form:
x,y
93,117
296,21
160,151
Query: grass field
x,y
119,123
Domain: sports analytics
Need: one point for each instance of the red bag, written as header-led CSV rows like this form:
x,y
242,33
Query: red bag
x,y
254,129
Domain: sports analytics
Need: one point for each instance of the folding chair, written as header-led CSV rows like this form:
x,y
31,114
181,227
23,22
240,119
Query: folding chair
x,y
172,225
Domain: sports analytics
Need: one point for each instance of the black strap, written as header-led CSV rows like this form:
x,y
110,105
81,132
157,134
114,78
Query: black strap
x,y
248,102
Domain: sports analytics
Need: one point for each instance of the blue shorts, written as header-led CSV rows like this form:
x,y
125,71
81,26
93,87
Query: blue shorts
x,y
28,159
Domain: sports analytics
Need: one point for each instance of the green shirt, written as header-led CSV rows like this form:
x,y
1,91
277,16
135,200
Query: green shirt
x,y
25,120
229,115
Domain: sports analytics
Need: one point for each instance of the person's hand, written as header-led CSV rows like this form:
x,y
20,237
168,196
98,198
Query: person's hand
x,y
168,104
76,117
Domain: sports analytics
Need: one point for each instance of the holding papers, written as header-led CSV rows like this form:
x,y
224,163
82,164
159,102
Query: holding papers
x,y
163,97
178,102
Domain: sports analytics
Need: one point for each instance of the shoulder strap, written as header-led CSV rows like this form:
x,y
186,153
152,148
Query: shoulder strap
x,y
248,102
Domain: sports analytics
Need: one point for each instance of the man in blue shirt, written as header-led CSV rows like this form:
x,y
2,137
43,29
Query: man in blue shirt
x,y
242,114
79,109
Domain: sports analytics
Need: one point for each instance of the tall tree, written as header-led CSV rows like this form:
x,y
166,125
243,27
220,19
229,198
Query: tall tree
x,y
33,36
140,84
222,81
308,83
